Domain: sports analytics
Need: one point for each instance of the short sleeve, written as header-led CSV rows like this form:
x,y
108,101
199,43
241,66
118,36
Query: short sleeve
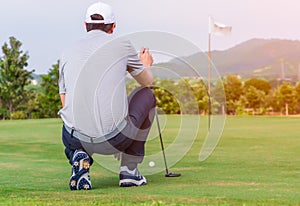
x,y
61,79
134,65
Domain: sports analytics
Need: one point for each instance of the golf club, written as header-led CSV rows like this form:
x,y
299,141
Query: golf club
x,y
163,149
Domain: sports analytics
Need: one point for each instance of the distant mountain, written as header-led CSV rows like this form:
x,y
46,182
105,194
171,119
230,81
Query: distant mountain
x,y
272,58
36,77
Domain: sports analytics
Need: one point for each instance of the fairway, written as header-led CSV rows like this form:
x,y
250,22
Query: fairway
x,y
257,162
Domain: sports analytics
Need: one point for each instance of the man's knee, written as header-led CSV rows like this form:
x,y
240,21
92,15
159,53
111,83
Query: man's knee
x,y
148,93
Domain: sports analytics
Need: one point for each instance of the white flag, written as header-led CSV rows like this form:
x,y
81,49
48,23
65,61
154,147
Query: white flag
x,y
218,28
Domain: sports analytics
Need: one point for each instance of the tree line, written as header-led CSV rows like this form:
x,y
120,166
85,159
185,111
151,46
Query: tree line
x,y
231,95
19,99
258,96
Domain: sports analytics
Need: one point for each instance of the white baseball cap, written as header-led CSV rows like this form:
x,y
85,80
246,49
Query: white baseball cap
x,y
104,10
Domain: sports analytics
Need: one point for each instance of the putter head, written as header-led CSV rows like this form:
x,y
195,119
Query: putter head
x,y
172,175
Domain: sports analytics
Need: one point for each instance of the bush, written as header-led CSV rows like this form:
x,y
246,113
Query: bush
x,y
18,115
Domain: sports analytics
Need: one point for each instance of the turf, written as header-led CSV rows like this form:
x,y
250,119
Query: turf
x,y
257,162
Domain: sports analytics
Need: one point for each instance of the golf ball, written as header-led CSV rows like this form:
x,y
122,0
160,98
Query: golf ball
x,y
151,164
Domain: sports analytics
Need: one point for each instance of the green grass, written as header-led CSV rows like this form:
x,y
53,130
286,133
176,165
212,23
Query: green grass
x,y
257,162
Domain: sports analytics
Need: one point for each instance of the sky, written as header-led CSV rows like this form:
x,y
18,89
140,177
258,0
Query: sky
x,y
47,27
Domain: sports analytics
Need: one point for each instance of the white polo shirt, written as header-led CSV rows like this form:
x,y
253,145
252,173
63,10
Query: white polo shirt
x,y
93,79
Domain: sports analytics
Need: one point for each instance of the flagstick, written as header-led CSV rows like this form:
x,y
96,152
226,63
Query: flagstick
x,y
208,79
216,29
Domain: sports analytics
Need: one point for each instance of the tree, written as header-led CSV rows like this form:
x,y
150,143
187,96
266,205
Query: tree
x,y
186,96
287,97
165,93
272,102
233,91
297,89
219,97
13,75
201,94
259,84
49,101
255,97
31,108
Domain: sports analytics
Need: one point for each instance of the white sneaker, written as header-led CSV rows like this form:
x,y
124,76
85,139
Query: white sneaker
x,y
129,178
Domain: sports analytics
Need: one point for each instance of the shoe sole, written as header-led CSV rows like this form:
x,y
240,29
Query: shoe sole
x,y
75,179
84,183
81,160
81,167
132,183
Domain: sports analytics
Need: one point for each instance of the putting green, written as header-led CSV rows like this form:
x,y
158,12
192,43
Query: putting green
x,y
256,163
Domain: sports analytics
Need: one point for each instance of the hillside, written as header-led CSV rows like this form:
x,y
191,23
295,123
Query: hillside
x,y
273,58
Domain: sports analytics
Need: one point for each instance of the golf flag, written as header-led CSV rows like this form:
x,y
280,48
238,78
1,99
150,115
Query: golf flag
x,y
218,28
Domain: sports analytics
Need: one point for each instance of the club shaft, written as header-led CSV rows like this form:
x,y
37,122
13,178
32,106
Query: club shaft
x,y
161,141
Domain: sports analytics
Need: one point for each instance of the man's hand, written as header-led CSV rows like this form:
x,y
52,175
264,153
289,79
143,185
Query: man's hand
x,y
145,78
146,58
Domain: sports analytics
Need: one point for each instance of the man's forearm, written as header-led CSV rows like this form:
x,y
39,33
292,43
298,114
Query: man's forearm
x,y
62,99
145,78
